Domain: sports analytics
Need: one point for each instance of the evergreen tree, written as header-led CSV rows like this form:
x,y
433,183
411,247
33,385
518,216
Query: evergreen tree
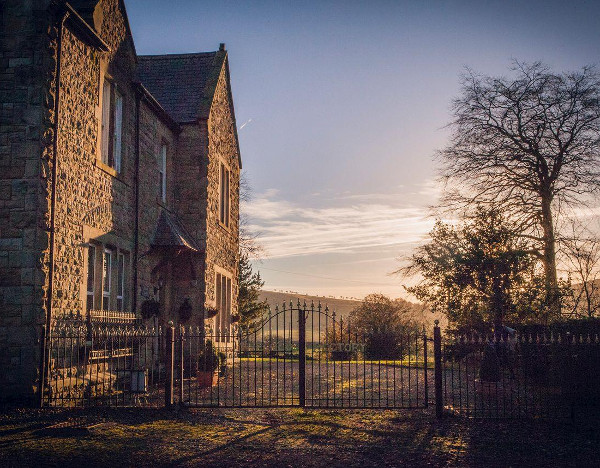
x,y
250,307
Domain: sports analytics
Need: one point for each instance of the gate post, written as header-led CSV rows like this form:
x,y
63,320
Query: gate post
x,y
302,355
425,367
437,357
169,365
181,360
43,367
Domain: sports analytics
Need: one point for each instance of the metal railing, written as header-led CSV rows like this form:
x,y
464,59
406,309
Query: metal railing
x,y
550,376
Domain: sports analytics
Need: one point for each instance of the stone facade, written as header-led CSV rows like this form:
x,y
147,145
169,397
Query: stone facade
x,y
64,212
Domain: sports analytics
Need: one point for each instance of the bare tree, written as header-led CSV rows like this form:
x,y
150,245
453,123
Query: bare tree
x,y
582,252
526,145
249,244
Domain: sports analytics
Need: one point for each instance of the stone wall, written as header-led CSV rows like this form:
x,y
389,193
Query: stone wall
x,y
27,42
94,203
222,243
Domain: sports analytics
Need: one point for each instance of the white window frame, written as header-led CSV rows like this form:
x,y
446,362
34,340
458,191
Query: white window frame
x,y
224,194
118,130
223,303
111,144
121,290
105,124
91,272
107,278
162,171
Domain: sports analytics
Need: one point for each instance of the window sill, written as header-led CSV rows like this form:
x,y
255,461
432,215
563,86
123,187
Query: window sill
x,y
162,203
109,170
224,227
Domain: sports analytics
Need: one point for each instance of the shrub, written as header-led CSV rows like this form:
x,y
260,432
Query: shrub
x,y
209,359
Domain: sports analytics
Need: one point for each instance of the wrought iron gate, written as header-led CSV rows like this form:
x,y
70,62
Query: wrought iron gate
x,y
303,356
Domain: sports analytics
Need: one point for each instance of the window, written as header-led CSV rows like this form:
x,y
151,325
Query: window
x,y
107,282
162,172
223,318
112,126
106,279
91,278
224,195
120,282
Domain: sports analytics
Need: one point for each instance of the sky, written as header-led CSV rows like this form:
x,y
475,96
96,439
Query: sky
x,y
341,106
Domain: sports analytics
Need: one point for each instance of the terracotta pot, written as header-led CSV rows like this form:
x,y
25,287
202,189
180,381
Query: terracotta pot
x,y
207,379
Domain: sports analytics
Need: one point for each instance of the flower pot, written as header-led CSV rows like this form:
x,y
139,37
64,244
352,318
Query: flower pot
x,y
207,379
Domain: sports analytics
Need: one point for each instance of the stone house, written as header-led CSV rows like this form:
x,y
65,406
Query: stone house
x,y
119,179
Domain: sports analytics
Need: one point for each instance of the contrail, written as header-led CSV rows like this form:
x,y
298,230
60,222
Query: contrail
x,y
245,123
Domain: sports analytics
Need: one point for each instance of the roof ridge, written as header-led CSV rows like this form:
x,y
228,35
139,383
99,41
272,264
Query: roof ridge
x,y
185,55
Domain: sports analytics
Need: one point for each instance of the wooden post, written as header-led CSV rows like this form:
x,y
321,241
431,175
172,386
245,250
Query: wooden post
x,y
169,365
437,357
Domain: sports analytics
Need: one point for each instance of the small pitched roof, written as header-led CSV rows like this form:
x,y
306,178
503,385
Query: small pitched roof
x,y
183,84
171,234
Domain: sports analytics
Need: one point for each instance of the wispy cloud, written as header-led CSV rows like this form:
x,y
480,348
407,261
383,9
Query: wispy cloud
x,y
353,224
245,123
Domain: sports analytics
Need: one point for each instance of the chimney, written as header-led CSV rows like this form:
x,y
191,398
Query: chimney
x,y
222,46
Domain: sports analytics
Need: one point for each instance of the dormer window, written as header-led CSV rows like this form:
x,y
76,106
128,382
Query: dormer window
x,y
112,123
224,175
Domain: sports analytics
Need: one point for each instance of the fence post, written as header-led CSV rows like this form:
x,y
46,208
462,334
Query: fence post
x,y
425,367
437,357
302,355
169,365
43,365
181,345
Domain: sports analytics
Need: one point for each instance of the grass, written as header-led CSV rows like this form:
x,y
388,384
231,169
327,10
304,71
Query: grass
x,y
384,362
285,437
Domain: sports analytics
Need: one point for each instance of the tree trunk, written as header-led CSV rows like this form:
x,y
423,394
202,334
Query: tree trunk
x,y
549,259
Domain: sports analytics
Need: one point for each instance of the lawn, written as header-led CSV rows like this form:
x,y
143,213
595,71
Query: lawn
x,y
285,437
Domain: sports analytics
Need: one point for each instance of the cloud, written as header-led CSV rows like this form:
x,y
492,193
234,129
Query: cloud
x,y
353,224
245,123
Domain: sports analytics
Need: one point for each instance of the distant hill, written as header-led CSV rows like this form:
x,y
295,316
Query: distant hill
x,y
343,307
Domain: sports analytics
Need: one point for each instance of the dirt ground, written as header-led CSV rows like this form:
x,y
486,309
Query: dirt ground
x,y
286,438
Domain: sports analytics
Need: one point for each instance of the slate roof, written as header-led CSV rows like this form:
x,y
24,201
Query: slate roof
x,y
183,84
171,234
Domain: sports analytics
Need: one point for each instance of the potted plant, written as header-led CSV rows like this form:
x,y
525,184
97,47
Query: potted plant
x,y
150,308
209,361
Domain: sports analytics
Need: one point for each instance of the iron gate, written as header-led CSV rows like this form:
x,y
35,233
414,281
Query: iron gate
x,y
302,356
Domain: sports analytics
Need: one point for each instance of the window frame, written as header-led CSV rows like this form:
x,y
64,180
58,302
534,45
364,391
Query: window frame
x,y
223,302
224,195
162,171
111,125
121,289
107,278
91,268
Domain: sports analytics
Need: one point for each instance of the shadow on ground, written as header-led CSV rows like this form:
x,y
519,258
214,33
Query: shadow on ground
x,y
285,437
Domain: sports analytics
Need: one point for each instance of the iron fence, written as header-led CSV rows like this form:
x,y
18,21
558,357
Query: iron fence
x,y
302,355
521,376
306,356
88,365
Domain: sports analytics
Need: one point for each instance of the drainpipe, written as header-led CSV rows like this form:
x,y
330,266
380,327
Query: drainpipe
x,y
45,332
